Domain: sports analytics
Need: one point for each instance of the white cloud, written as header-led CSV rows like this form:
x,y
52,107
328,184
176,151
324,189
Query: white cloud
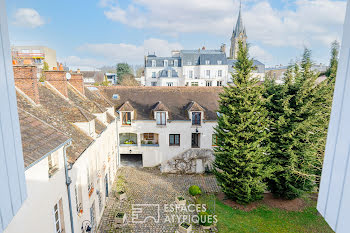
x,y
260,54
305,21
28,17
110,54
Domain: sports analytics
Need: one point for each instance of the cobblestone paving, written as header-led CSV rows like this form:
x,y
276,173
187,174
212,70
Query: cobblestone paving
x,y
149,186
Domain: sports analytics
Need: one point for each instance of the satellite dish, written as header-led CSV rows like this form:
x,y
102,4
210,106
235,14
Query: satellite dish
x,y
68,76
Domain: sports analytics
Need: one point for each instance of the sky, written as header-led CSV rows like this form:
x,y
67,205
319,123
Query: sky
x,y
94,33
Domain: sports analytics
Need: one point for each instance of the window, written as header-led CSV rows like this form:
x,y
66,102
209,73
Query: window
x,y
52,160
115,96
174,139
126,118
154,75
194,84
214,140
207,62
190,74
166,63
169,73
196,118
79,199
219,83
219,73
161,118
189,63
195,140
153,84
148,136
176,63
170,84
209,83
154,63
92,216
90,182
219,62
207,73
59,218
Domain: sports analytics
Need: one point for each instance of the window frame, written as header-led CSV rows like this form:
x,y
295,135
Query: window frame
x,y
174,140
220,73
219,82
207,73
154,63
176,63
56,209
207,62
208,83
166,63
125,118
147,136
196,84
219,62
195,120
160,114
154,74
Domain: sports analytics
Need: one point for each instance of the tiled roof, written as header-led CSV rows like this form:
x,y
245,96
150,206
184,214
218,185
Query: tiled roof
x,y
126,107
110,118
38,137
99,126
60,113
84,102
96,97
194,106
176,99
160,107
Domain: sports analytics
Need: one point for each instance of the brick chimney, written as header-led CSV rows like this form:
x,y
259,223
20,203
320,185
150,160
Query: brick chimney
x,y
77,81
57,78
26,80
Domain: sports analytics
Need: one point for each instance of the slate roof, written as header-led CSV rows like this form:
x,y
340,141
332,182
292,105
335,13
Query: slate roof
x,y
165,73
239,26
160,61
144,99
198,57
260,67
38,137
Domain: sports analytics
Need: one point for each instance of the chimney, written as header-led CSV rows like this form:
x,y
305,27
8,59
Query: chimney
x,y
223,48
60,67
26,80
78,71
77,81
57,78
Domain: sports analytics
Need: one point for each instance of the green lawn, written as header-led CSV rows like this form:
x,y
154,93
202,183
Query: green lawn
x,y
266,219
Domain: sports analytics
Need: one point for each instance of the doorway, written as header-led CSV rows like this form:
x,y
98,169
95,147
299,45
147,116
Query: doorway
x,y
195,140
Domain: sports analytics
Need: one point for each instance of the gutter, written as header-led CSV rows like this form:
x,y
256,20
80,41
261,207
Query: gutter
x,y
68,182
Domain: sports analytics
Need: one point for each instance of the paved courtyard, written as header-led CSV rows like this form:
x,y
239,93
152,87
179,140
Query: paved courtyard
x,y
149,186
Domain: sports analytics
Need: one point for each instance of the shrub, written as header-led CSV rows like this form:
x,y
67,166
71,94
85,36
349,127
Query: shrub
x,y
194,190
205,219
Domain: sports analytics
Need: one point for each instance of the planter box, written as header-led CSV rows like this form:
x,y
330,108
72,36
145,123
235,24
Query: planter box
x,y
185,230
180,202
122,196
120,220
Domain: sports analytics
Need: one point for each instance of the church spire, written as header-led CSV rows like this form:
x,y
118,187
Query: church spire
x,y
239,33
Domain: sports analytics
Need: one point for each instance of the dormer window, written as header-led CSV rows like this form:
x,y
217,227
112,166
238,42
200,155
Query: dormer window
x,y
161,118
126,118
196,118
52,160
207,62
154,63
176,63
166,63
219,62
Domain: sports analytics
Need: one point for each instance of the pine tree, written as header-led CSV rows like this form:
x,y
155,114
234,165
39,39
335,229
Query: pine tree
x,y
333,64
241,132
296,110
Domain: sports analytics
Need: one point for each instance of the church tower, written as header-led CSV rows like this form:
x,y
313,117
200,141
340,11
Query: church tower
x,y
238,34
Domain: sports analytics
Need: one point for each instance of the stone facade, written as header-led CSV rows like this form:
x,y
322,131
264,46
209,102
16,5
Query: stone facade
x,y
190,161
26,81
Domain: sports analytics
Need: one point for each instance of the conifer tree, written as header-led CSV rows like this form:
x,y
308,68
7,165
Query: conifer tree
x,y
333,64
297,112
240,157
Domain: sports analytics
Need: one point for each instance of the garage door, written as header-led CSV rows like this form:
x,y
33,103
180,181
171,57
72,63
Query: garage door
x,y
131,160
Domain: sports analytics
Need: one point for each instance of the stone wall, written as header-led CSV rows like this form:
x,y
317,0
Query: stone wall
x,y
190,161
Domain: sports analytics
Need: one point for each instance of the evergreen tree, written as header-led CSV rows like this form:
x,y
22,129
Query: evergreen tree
x,y
123,69
298,126
333,64
240,157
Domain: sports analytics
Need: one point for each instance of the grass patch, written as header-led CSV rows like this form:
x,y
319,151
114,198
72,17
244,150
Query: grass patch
x,y
265,219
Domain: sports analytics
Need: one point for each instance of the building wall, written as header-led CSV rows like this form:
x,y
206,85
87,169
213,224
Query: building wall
x,y
101,158
37,212
334,195
12,177
154,155
50,54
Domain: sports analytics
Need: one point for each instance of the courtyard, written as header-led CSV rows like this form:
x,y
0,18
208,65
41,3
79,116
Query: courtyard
x,y
149,186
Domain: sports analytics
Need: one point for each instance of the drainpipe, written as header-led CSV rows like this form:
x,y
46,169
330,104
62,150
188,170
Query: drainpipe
x,y
118,144
68,182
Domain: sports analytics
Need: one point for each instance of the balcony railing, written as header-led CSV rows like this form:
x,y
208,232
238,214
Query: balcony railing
x,y
28,55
